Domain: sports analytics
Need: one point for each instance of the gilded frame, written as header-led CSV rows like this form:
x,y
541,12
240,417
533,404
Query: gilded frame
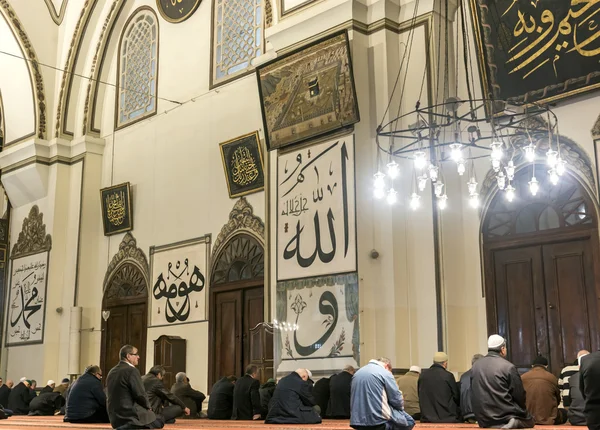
x,y
128,210
226,170
285,13
183,18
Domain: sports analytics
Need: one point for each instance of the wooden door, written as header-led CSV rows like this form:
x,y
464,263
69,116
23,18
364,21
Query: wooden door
x,y
571,300
253,315
136,331
228,330
116,336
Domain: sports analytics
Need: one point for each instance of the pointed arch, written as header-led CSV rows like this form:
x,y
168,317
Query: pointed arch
x,y
131,256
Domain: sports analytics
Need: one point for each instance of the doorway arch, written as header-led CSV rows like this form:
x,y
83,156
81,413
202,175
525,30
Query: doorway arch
x,y
540,258
126,298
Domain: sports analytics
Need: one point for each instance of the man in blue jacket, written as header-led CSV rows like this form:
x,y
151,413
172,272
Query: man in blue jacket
x,y
86,401
376,402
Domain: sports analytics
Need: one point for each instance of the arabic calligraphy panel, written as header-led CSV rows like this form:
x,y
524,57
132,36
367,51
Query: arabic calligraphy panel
x,y
308,92
27,300
179,281
242,162
316,214
116,209
177,10
539,50
318,322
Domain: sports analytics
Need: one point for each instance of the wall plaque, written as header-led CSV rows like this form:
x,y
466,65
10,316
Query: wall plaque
x,y
116,209
242,162
177,10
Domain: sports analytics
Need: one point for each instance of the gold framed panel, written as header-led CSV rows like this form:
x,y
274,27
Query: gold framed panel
x,y
176,11
117,212
248,167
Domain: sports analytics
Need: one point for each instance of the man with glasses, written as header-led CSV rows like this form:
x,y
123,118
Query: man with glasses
x,y
127,401
86,401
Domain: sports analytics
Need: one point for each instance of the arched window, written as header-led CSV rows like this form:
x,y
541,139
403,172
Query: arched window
x,y
238,38
138,68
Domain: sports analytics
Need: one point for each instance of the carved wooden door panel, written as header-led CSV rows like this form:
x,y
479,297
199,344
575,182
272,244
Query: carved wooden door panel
x,y
116,336
228,331
253,315
136,331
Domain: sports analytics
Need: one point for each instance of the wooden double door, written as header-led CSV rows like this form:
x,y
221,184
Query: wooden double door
x,y
544,300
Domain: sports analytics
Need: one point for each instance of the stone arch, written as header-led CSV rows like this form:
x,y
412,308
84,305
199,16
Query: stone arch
x,y
242,258
123,267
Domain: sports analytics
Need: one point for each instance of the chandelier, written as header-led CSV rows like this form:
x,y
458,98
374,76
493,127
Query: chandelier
x,y
460,133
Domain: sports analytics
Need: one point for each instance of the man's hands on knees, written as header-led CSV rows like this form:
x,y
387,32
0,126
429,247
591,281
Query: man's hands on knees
x,y
186,411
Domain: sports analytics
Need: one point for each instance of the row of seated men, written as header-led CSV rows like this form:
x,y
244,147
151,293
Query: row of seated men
x,y
19,399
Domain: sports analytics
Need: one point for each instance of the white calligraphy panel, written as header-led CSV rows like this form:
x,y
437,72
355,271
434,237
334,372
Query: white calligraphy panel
x,y
27,300
179,281
316,216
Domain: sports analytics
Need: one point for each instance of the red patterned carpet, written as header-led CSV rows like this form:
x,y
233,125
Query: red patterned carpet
x,y
24,422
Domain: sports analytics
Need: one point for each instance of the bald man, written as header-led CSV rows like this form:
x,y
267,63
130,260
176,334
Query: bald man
x,y
293,402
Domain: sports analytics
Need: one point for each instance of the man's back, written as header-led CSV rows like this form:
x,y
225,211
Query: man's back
x,y
438,396
4,393
466,395
246,399
220,402
86,396
19,399
576,412
191,398
409,385
292,402
543,395
590,388
321,394
340,389
564,384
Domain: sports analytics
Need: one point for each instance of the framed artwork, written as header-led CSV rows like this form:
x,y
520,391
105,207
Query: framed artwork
x,y
242,163
308,93
177,10
27,299
180,280
116,209
316,213
289,6
536,51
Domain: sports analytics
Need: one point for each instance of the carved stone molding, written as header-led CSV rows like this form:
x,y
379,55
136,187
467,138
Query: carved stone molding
x,y
120,267
268,13
241,218
596,129
32,65
67,76
32,238
57,17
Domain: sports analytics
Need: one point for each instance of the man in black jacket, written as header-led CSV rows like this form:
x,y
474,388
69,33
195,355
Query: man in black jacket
x,y
576,412
589,369
498,395
439,395
20,397
86,401
158,395
339,394
266,391
220,402
293,402
320,392
4,393
46,404
246,399
466,405
192,398
127,402
49,387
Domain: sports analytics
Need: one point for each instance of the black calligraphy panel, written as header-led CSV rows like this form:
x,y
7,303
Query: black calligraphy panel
x,y
242,162
538,50
177,10
116,209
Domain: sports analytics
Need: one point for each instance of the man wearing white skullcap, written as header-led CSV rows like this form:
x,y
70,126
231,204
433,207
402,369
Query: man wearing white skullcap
x,y
498,394
408,384
49,387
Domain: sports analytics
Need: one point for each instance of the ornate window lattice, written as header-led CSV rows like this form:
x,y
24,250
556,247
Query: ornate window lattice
x,y
138,68
242,259
238,37
127,282
554,207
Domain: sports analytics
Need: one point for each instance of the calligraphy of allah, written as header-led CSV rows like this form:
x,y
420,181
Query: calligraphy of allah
x,y
243,167
115,207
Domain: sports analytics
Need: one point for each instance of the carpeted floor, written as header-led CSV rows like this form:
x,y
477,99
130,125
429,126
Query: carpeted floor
x,y
31,423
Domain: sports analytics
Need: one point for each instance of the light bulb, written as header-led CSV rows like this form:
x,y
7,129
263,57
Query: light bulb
x,y
433,172
443,202
510,193
474,201
560,166
552,158
391,197
378,181
510,170
553,176
378,193
472,185
456,152
393,169
461,167
501,180
534,186
422,182
420,160
530,152
438,188
495,164
497,152
415,201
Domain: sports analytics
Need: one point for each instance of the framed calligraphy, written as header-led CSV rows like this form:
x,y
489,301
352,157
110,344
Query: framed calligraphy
x,y
116,209
179,281
242,162
289,6
175,11
27,299
316,213
537,51
308,92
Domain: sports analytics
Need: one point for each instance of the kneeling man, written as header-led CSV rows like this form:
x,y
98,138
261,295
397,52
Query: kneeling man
x,y
158,396
86,402
293,402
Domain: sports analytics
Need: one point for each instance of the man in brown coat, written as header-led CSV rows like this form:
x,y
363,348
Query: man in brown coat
x,y
543,395
408,385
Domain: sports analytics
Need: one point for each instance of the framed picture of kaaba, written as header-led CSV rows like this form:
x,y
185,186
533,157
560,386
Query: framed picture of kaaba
x,y
537,51
116,209
242,162
308,92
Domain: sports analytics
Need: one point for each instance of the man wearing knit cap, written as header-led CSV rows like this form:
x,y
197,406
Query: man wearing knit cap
x,y
543,395
498,393
408,385
439,395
